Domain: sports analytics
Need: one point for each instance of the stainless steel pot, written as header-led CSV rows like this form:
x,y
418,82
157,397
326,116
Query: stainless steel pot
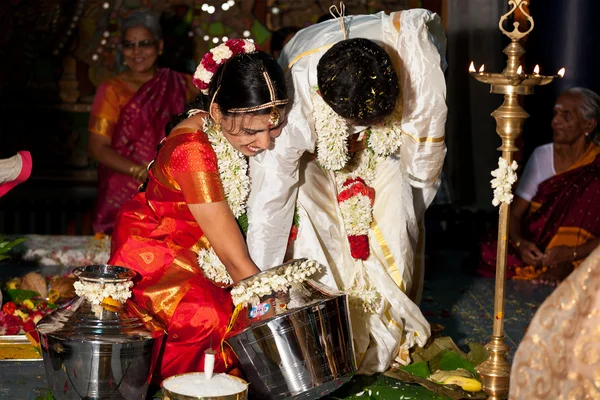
x,y
304,352
100,354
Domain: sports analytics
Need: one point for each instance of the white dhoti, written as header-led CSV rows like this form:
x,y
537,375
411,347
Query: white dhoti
x,y
398,324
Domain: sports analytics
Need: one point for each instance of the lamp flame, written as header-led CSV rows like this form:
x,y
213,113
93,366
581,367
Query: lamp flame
x,y
519,70
472,67
482,68
536,70
561,72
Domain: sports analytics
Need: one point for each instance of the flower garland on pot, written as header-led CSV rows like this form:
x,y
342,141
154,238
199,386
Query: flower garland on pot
x,y
250,290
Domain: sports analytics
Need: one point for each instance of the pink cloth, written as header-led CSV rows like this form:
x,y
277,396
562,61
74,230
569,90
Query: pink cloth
x,y
25,173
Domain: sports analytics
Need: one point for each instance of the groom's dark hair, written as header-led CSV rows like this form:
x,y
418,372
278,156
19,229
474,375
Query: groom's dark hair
x,y
358,81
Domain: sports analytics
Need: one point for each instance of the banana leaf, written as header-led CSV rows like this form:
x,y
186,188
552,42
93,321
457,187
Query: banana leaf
x,y
20,295
449,360
434,349
478,353
418,369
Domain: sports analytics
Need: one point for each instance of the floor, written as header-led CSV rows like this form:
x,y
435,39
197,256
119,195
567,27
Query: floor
x,y
461,302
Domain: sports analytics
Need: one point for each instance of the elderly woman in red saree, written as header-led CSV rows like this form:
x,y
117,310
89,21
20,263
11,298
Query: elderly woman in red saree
x,y
555,216
129,115
183,224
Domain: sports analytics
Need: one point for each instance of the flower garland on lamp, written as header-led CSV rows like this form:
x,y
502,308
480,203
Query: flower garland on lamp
x,y
504,177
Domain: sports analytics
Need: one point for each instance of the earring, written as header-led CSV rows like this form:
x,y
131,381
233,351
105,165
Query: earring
x,y
587,134
217,127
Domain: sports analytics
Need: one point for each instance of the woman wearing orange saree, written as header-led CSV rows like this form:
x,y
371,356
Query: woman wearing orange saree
x,y
196,188
555,217
129,114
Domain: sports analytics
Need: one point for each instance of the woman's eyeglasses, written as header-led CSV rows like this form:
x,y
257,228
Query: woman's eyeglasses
x,y
144,44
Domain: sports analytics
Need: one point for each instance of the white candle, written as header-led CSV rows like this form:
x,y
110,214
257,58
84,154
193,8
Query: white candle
x,y
209,363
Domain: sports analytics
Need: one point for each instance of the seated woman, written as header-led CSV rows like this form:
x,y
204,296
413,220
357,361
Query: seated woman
x,y
196,188
129,115
555,216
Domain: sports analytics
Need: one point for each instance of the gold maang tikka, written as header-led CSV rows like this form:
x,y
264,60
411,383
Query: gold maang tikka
x,y
275,115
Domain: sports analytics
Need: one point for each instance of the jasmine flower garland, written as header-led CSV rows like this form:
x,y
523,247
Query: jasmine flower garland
x,y
249,291
233,171
504,177
96,293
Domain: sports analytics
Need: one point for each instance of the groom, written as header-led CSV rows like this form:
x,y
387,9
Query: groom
x,y
359,161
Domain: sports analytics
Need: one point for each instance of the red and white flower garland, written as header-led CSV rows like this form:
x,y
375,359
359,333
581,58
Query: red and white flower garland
x,y
356,205
216,56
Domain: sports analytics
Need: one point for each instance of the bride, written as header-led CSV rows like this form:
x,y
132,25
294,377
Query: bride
x,y
188,214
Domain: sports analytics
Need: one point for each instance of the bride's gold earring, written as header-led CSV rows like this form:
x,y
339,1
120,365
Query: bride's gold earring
x,y
217,126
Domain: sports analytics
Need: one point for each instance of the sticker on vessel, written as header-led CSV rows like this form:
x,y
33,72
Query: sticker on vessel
x,y
260,310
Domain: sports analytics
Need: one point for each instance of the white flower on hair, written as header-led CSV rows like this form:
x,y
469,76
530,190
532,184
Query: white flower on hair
x,y
249,47
221,52
213,268
202,74
96,293
504,177
249,291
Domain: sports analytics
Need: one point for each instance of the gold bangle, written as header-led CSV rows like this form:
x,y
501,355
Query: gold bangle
x,y
137,171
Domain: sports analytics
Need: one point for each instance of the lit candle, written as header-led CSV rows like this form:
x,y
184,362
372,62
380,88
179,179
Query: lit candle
x,y
561,72
536,70
209,363
519,70
472,67
482,68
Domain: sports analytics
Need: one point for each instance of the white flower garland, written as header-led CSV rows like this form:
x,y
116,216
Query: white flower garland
x,y
504,177
96,293
233,169
362,296
357,214
249,291
213,268
385,139
367,301
332,135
